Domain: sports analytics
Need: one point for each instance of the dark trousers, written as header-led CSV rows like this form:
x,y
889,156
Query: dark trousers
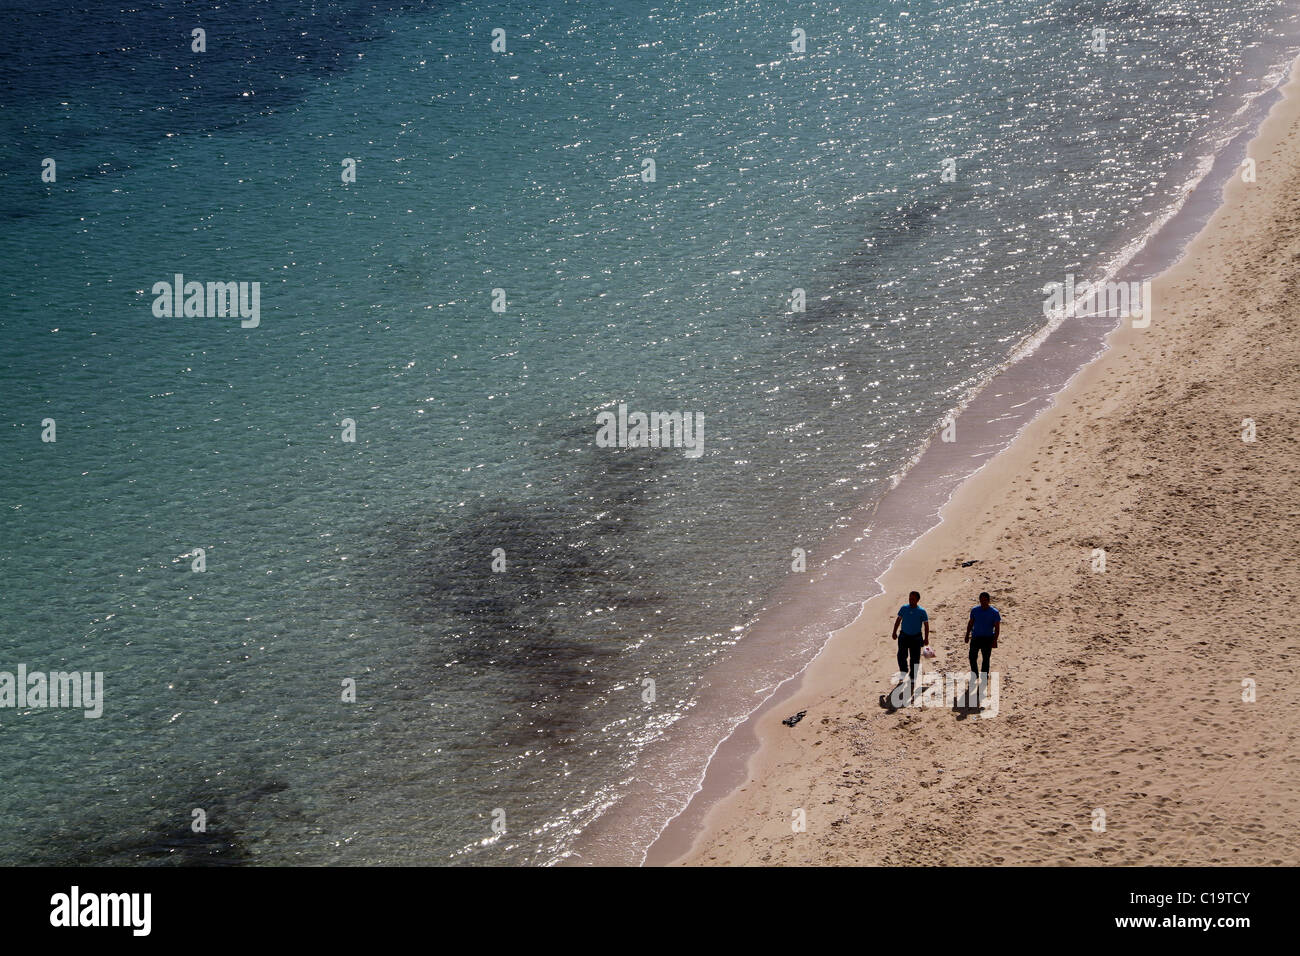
x,y
909,656
980,645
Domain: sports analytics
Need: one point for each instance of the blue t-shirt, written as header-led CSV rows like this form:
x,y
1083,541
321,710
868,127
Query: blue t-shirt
x,y
984,619
912,618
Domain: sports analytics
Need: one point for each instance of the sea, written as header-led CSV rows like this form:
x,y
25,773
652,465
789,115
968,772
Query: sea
x,y
363,586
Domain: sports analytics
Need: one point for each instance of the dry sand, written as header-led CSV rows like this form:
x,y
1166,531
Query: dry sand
x,y
1120,691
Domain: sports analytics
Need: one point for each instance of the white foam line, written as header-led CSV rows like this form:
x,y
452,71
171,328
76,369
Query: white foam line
x,y
1026,348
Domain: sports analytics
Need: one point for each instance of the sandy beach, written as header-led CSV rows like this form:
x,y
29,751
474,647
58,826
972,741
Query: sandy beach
x,y
1123,733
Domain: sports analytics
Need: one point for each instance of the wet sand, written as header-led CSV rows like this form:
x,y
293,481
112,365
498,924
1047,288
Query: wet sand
x,y
1120,733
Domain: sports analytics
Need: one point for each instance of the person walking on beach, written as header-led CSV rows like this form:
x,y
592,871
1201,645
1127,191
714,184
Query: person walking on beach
x,y
982,634
915,634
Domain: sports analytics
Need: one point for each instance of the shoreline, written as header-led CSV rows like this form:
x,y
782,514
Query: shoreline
x,y
733,815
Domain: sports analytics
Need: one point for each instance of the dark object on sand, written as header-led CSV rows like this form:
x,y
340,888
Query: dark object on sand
x,y
791,721
967,564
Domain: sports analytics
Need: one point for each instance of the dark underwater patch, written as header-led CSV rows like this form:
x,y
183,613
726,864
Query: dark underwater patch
x,y
163,835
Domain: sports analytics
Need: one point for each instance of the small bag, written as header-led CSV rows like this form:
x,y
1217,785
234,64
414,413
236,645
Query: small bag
x,y
927,651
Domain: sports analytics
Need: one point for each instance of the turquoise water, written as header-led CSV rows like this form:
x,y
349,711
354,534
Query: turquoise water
x,y
371,561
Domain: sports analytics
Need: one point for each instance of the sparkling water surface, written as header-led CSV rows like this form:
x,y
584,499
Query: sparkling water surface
x,y
521,170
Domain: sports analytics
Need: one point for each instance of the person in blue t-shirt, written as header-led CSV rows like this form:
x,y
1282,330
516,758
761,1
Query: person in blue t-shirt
x,y
982,634
915,624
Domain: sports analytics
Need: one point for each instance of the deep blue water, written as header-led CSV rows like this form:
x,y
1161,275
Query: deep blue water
x,y
371,561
